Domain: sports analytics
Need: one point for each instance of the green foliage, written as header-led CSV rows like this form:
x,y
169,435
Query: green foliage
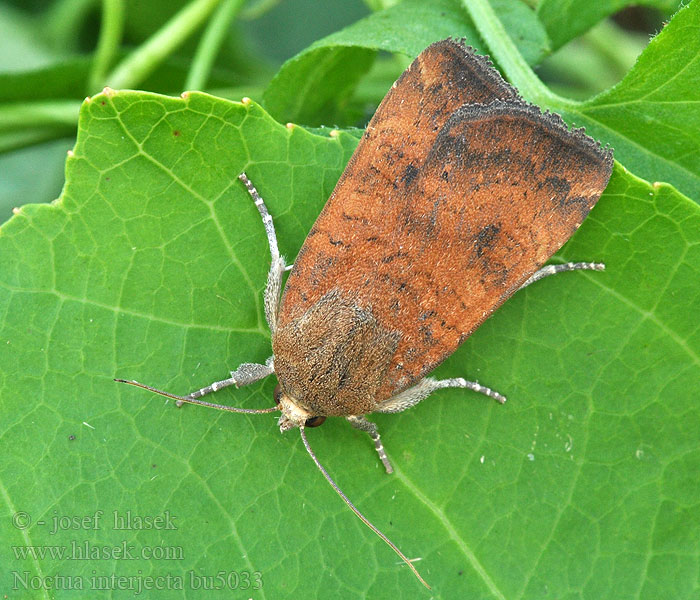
x,y
314,87
565,20
651,117
151,266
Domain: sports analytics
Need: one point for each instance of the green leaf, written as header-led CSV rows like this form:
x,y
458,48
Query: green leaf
x,y
651,118
152,267
565,20
63,79
313,87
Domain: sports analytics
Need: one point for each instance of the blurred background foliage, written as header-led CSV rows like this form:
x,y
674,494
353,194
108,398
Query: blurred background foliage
x,y
53,53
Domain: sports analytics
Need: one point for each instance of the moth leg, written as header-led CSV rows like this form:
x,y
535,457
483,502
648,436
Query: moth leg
x,y
245,374
427,386
361,423
277,264
248,373
554,269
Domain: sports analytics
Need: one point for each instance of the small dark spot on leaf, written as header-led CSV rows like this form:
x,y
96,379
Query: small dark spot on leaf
x,y
176,133
71,437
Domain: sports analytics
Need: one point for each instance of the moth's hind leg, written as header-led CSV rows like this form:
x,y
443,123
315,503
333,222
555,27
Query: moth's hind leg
x,y
411,397
273,288
360,422
427,386
554,269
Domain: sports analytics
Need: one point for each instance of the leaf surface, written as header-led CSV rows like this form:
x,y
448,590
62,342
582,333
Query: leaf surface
x,y
151,267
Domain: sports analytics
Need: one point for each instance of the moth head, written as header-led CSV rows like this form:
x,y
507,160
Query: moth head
x,y
293,415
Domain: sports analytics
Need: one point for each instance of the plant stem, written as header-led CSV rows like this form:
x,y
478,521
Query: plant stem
x,y
111,29
53,113
620,48
61,23
146,58
16,140
210,43
255,10
506,54
254,92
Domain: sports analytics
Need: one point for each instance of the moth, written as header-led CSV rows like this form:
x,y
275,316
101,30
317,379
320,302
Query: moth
x,y
457,194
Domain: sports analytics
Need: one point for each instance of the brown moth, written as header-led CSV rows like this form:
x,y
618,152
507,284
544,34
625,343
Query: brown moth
x,y
455,197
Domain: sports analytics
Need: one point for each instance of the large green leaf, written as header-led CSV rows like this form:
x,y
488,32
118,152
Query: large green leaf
x,y
151,266
314,86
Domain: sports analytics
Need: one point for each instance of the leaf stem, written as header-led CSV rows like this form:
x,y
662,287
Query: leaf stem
x,y
210,44
16,140
506,54
146,58
53,113
111,29
620,48
60,24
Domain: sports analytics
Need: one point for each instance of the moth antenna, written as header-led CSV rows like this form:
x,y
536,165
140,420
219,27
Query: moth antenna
x,y
200,402
356,511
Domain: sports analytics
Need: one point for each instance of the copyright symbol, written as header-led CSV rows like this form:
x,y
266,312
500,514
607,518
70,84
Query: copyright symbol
x,y
21,520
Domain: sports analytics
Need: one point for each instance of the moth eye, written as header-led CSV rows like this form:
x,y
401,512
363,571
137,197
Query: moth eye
x,y
277,394
314,421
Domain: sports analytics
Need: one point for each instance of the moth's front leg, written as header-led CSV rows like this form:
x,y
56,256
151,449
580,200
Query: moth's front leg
x,y
245,374
360,422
